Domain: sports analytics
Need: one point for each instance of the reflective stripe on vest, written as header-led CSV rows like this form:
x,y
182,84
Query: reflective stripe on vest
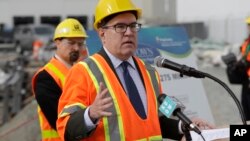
x,y
152,75
110,124
59,74
154,138
51,133
47,134
154,81
70,109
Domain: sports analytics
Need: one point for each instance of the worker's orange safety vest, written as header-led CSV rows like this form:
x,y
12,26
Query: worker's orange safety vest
x,y
246,47
58,71
124,124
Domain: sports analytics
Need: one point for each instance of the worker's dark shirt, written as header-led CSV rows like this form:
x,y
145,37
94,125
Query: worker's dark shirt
x,y
47,94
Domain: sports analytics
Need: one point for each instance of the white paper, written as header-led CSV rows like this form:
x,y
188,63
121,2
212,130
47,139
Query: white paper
x,y
211,134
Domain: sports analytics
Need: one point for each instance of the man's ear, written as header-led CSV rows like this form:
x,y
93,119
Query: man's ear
x,y
101,33
57,43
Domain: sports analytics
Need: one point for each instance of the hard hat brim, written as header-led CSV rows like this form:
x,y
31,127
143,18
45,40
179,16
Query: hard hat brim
x,y
138,11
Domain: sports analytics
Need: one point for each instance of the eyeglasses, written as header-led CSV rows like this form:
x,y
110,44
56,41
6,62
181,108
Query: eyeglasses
x,y
79,44
122,28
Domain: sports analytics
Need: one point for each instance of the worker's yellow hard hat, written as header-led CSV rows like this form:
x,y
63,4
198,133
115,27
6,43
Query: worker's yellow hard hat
x,y
248,20
70,28
108,7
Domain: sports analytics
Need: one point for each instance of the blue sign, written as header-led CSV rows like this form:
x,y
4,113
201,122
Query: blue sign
x,y
151,42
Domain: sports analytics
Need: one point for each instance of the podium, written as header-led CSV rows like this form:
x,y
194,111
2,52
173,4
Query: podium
x,y
219,134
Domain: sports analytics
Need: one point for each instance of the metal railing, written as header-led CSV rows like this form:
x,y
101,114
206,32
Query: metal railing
x,y
12,77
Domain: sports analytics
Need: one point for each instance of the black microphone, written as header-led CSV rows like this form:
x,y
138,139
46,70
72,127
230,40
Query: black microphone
x,y
183,69
170,105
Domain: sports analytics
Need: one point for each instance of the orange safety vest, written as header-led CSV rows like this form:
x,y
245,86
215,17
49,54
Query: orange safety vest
x,y
244,47
58,71
124,124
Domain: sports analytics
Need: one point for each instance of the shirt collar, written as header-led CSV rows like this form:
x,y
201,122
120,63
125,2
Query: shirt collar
x,y
116,61
62,61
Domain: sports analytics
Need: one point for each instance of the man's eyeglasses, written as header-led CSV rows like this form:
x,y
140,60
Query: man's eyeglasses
x,y
73,43
122,28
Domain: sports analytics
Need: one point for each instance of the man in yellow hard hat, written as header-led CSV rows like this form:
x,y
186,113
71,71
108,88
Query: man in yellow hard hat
x,y
112,95
48,81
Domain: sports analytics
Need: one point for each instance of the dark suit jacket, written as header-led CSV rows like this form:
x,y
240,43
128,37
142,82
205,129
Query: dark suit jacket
x,y
47,94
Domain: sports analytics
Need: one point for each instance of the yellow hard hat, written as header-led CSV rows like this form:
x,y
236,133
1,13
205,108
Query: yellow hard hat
x,y
248,20
70,28
106,8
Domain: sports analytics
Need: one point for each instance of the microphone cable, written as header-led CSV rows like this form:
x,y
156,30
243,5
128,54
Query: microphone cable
x,y
189,71
243,117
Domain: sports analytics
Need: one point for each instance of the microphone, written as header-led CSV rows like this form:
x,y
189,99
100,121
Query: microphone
x,y
183,69
170,105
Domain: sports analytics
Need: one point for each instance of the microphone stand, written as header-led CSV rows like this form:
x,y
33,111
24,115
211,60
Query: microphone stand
x,y
186,132
203,75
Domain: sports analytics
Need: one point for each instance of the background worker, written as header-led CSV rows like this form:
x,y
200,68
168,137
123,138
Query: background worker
x,y
244,62
112,95
48,82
